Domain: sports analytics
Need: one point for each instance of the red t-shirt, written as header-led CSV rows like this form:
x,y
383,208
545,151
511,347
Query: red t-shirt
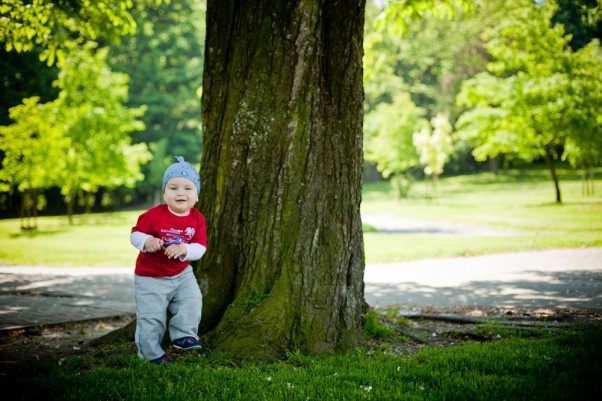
x,y
172,229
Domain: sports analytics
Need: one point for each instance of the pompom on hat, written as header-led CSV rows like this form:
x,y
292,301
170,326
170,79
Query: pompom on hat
x,y
182,169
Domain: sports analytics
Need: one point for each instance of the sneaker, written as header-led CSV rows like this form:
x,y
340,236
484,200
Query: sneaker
x,y
186,343
162,360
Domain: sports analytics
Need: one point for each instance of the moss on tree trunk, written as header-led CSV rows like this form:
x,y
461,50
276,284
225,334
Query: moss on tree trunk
x,y
281,176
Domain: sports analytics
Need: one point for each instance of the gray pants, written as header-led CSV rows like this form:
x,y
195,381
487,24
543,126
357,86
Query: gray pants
x,y
181,294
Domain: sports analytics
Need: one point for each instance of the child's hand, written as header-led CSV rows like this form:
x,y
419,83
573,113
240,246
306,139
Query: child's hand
x,y
153,244
175,251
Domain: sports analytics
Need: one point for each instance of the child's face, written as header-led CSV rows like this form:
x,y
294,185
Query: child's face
x,y
180,195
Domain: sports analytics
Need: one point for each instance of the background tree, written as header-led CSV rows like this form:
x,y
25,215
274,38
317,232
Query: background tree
x,y
32,149
583,146
400,13
22,75
282,175
164,60
434,146
50,25
389,131
581,18
97,126
534,96
49,30
428,62
156,167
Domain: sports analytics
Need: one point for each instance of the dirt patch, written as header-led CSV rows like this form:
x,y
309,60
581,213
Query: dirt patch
x,y
51,344
416,329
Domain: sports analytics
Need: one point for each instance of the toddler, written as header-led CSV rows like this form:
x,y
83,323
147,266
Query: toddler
x,y
169,236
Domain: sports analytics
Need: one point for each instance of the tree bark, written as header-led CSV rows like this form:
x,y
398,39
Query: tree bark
x,y
281,176
550,162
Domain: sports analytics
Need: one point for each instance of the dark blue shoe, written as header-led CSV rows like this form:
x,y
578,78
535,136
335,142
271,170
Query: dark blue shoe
x,y
162,360
186,343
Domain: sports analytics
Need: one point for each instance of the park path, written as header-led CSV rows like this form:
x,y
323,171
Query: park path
x,y
556,279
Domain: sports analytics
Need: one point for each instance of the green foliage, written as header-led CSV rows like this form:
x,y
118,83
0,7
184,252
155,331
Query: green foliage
x,y
399,13
426,61
583,144
89,115
582,19
97,124
164,60
50,25
410,49
297,358
393,315
31,148
374,328
380,80
22,75
538,95
389,130
153,171
80,141
434,146
31,154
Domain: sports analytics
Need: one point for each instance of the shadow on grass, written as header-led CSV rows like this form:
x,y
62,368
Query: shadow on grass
x,y
37,233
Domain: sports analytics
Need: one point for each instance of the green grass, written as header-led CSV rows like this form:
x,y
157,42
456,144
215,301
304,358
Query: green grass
x,y
94,240
519,202
556,365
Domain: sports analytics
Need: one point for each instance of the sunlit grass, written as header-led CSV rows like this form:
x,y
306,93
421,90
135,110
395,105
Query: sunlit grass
x,y
94,240
520,206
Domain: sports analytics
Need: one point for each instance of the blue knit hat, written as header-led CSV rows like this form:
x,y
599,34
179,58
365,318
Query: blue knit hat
x,y
182,169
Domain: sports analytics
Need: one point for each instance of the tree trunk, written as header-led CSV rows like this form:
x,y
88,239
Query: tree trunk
x,y
550,162
494,164
592,181
282,175
435,186
587,180
71,205
29,209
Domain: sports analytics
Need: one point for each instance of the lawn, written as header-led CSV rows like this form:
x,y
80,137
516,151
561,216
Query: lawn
x,y
518,202
538,365
93,240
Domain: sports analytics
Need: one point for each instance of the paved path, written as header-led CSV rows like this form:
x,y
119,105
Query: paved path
x,y
553,279
31,296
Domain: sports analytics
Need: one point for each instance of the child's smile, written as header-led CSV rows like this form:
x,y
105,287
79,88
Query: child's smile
x,y
180,195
